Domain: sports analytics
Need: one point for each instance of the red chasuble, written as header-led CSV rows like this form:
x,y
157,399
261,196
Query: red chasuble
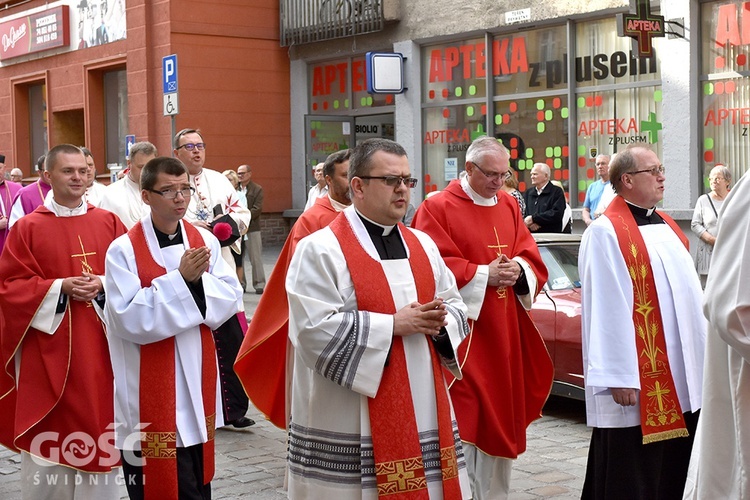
x,y
65,384
507,371
661,414
261,362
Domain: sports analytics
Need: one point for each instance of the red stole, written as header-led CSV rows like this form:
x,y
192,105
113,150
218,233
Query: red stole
x,y
158,392
399,467
661,414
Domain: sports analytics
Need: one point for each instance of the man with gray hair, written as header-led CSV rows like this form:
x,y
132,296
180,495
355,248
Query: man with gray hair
x,y
499,271
124,196
545,202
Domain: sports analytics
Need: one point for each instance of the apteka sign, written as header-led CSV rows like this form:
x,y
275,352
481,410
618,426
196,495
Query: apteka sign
x,y
642,27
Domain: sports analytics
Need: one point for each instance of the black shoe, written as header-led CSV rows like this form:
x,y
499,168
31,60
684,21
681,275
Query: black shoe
x,y
241,422
258,291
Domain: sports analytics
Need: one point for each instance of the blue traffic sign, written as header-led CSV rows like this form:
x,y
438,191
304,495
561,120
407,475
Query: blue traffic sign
x,y
169,72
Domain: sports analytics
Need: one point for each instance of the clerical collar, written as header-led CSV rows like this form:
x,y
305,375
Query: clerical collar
x,y
62,211
336,205
166,240
387,241
475,197
644,216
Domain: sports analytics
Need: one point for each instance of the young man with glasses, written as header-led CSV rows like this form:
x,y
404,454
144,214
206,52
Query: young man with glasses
x,y
168,287
643,339
215,197
480,233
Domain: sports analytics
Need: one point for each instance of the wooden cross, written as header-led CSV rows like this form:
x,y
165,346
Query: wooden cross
x,y
84,261
501,292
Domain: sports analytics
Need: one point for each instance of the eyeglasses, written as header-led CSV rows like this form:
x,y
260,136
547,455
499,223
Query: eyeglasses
x,y
393,180
171,194
658,170
494,175
200,146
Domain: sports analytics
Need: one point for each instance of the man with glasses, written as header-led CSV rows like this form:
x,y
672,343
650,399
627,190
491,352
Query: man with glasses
x,y
498,268
643,339
373,315
167,287
545,202
214,197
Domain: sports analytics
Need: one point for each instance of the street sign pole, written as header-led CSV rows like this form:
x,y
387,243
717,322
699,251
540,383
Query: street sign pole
x,y
169,80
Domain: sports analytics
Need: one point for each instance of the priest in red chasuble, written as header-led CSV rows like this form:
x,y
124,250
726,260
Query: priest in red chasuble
x,y
643,339
261,363
507,370
56,382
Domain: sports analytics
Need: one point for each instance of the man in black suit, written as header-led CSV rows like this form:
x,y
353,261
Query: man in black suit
x,y
545,202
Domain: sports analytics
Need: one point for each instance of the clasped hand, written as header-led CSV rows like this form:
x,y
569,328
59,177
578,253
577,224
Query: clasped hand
x,y
415,318
194,263
84,288
503,272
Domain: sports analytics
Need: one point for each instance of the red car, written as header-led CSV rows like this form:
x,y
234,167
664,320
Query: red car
x,y
557,311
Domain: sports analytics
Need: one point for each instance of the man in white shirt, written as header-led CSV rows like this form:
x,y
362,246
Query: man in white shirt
x,y
319,189
94,188
124,196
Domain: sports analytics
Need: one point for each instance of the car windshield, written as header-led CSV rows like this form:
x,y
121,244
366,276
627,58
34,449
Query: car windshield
x,y
562,264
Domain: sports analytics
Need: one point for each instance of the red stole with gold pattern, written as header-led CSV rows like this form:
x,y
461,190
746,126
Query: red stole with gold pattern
x,y
661,414
158,401
399,466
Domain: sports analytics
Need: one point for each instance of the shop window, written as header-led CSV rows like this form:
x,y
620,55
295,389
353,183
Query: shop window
x,y
340,86
725,87
448,132
603,58
610,121
116,115
455,71
38,120
535,130
530,61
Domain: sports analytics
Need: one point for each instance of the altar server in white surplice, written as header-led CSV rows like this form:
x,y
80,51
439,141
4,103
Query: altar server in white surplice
x,y
123,197
720,463
167,287
373,313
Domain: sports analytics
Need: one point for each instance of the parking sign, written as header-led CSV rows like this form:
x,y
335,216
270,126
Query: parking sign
x,y
169,71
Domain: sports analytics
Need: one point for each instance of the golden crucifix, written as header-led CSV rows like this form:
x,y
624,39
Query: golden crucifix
x,y
501,291
85,267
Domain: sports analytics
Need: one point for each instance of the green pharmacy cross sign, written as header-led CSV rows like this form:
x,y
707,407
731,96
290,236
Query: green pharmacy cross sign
x,y
642,27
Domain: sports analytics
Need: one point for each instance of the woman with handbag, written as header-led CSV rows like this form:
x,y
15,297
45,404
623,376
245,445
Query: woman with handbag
x,y
706,218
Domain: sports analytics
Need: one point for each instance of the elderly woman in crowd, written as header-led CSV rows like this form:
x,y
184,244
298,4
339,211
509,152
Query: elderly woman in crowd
x,y
238,257
706,217
510,186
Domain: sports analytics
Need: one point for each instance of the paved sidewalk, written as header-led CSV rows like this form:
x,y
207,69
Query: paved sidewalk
x,y
250,462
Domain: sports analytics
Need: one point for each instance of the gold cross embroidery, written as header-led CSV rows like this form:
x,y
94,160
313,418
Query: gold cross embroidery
x,y
400,476
659,393
501,292
84,261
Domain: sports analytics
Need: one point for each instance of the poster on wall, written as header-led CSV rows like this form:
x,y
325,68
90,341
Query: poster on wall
x,y
71,25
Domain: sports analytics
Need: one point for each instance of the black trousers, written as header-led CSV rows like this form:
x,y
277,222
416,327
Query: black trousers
x,y
620,466
189,475
228,339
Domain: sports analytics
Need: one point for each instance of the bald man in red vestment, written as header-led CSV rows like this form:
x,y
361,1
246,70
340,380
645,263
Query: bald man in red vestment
x,y
56,381
499,271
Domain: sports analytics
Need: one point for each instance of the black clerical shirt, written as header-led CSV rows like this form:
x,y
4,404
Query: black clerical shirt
x,y
644,216
196,288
